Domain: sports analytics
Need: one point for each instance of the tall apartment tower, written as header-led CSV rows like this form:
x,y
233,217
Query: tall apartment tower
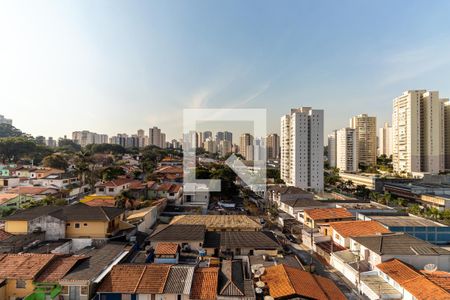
x,y
246,140
273,146
302,148
418,132
332,149
228,136
154,136
385,140
366,132
447,133
347,150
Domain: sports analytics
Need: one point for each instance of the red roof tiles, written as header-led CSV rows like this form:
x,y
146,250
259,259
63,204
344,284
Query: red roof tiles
x,y
205,284
358,228
328,213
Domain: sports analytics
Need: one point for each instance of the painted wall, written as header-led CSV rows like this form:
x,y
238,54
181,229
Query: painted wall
x,y
16,227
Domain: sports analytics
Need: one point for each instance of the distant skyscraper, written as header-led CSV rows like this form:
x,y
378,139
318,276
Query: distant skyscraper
x,y
228,136
154,136
332,149
366,132
220,136
210,145
302,148
418,132
273,146
207,135
85,137
347,150
162,142
224,147
446,133
50,142
385,140
3,120
246,140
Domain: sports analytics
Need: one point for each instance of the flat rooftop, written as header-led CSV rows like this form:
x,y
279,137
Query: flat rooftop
x,y
405,221
379,286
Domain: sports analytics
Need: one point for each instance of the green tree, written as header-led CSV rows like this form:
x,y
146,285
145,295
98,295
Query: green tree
x,y
7,130
16,148
56,161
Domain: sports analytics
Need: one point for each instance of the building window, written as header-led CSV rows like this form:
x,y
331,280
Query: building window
x,y
77,225
84,290
21,284
85,224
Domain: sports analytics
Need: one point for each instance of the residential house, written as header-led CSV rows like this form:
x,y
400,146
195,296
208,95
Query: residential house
x,y
99,200
179,282
418,253
70,221
205,284
46,285
134,282
296,207
113,187
284,282
8,201
394,279
35,193
195,194
342,231
316,217
58,180
169,174
231,243
81,282
280,193
233,283
18,273
167,253
7,182
172,191
144,218
186,236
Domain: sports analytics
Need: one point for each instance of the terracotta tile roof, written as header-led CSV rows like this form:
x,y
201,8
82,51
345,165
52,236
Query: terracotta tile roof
x,y
117,182
328,213
6,197
59,267
358,228
104,202
137,185
205,284
29,190
166,249
169,170
23,266
165,187
150,184
413,281
288,282
441,278
135,279
4,235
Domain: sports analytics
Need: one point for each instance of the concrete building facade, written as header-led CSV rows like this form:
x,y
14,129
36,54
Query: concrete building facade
x,y
347,150
366,132
385,140
302,148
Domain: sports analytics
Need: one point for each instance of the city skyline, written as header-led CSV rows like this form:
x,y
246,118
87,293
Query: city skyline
x,y
118,68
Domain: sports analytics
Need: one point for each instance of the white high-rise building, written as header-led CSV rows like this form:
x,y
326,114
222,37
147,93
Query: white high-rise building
x,y
225,147
446,133
85,137
210,145
4,120
385,140
418,132
366,132
302,148
332,149
347,150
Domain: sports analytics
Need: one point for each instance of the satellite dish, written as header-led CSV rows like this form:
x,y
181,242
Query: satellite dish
x,y
258,290
430,267
256,267
260,284
257,274
262,270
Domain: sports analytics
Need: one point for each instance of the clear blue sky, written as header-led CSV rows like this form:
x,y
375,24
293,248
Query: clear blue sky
x,y
117,66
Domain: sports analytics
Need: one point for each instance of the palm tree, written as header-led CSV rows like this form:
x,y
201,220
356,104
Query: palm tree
x,y
414,209
374,196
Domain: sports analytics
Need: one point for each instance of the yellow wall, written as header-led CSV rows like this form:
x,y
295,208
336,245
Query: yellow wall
x,y
16,227
92,229
12,291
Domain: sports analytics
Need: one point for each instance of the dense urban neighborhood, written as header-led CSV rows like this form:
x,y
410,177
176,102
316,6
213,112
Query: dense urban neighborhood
x,y
98,217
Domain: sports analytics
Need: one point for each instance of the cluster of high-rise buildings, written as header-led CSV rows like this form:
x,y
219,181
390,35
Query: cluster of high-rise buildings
x,y
4,120
418,140
154,138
